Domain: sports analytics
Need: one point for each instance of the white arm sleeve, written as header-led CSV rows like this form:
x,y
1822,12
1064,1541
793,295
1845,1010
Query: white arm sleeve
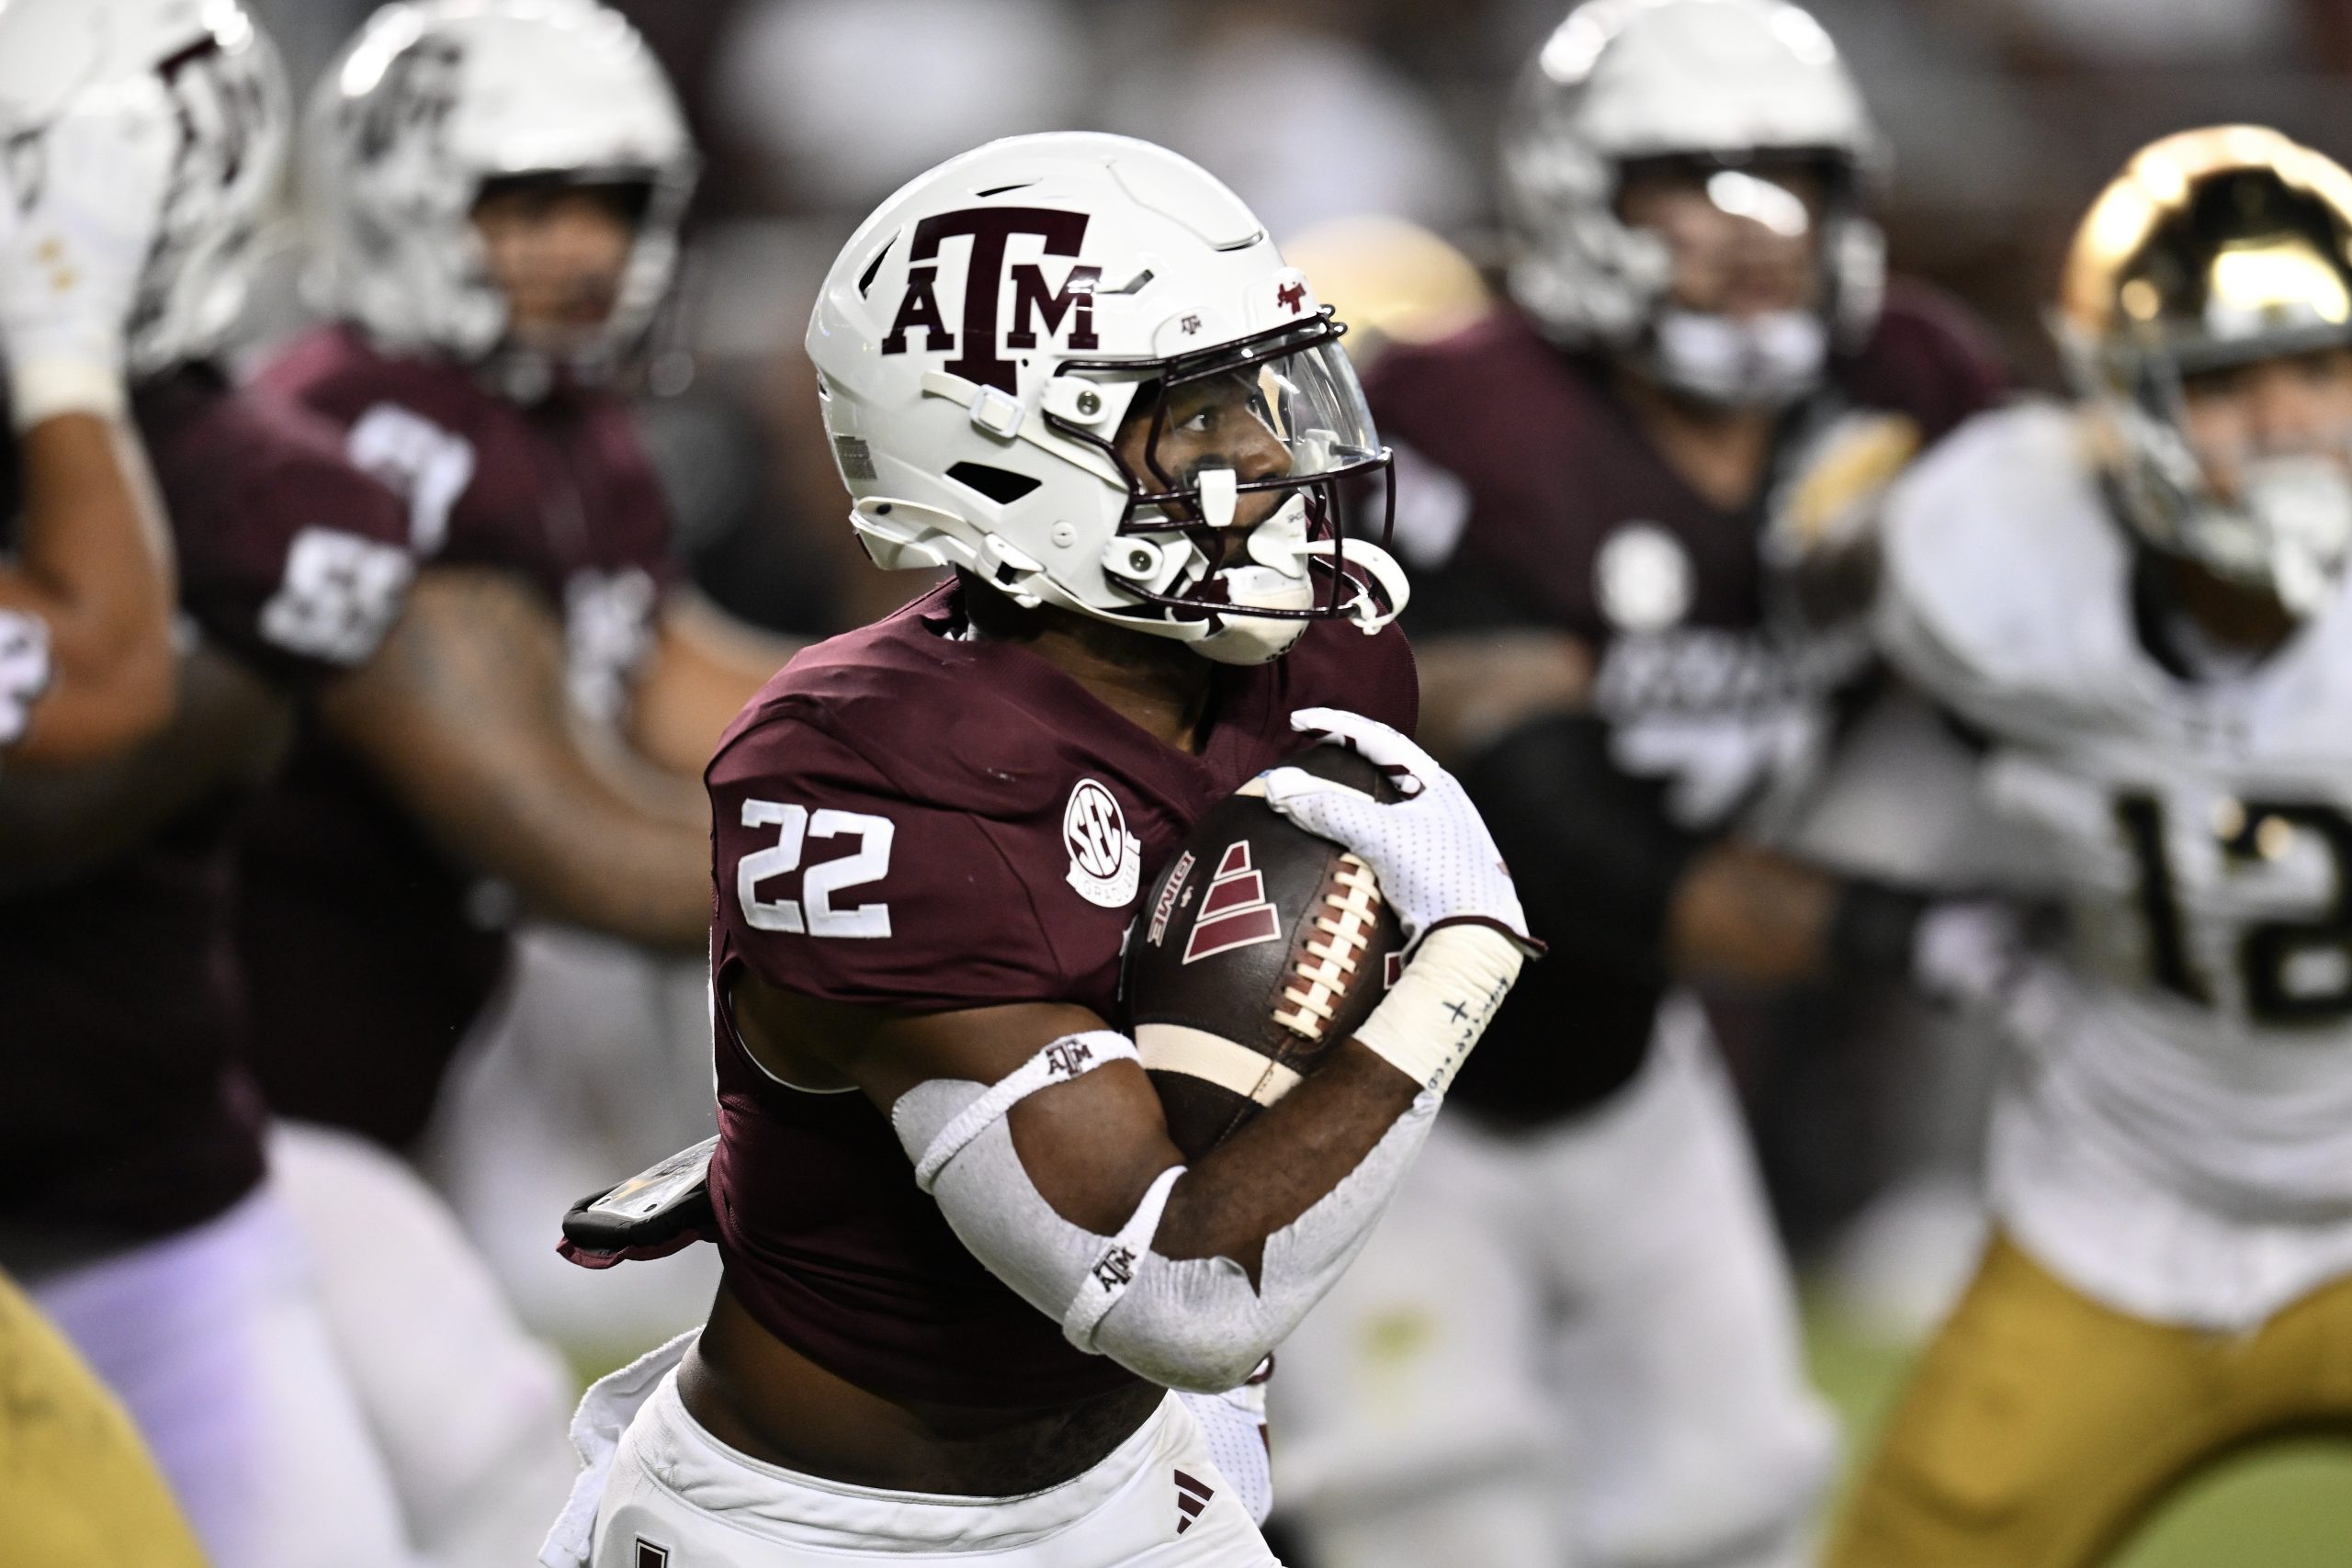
x,y
1193,1324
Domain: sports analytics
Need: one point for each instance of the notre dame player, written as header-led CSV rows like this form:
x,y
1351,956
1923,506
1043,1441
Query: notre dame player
x,y
1573,1339
2138,600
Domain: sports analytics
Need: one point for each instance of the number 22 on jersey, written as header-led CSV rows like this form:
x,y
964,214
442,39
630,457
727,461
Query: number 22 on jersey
x,y
814,912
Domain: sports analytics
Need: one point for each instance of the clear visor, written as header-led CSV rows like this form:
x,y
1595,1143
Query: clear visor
x,y
1218,443
1274,414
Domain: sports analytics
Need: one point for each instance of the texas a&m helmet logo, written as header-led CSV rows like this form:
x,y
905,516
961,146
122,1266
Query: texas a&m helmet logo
x,y
1105,860
1036,302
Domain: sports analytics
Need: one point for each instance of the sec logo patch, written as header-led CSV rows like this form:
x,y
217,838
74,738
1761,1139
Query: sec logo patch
x,y
1105,860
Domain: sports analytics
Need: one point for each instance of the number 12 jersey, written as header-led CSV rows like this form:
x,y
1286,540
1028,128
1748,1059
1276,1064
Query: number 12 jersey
x,y
2176,1137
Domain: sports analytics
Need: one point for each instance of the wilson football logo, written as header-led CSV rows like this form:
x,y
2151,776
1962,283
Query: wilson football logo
x,y
1234,912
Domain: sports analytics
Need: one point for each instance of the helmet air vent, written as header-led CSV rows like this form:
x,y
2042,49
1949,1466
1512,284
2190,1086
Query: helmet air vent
x,y
1000,485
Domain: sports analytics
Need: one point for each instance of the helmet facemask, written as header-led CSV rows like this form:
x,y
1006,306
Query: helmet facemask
x,y
1242,463
1738,223
586,319
1726,92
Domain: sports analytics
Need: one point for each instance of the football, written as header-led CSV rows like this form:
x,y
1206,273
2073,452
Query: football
x,y
1256,950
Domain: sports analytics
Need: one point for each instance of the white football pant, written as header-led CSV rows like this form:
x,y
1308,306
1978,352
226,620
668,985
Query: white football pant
x,y
1577,1345
658,1488
467,1408
215,1341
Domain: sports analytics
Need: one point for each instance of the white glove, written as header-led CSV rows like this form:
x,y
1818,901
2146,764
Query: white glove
x,y
1431,852
1970,952
83,217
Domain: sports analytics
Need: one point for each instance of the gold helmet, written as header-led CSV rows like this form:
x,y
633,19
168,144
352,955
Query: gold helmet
x,y
2214,248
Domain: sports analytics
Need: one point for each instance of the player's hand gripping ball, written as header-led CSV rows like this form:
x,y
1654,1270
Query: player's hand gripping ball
x,y
1256,951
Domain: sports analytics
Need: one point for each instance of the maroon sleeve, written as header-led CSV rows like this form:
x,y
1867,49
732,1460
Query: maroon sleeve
x,y
303,568
1929,358
638,511
832,882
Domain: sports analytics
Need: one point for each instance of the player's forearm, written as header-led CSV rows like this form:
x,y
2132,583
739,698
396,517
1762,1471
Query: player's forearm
x,y
462,714
1285,1161
531,812
1752,918
96,566
1477,687
228,726
704,668
643,881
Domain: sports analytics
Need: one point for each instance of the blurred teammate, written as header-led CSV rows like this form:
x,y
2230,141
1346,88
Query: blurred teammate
x,y
137,1208
495,191
965,1264
1629,497
2138,601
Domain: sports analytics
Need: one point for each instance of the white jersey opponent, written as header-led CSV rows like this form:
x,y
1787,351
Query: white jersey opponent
x,y
2176,1137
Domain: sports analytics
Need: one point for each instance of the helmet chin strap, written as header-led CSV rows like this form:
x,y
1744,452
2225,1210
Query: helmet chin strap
x,y
1277,576
1767,361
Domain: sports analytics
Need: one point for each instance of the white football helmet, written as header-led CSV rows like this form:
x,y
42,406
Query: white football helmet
x,y
983,338
200,67
1720,82
2214,249
435,98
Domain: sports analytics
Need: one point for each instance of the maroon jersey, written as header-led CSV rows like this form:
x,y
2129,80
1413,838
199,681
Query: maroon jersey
x,y
123,1113
1528,494
905,820
348,909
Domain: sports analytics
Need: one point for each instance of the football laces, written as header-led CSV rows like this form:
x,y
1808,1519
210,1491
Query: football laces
x,y
1352,906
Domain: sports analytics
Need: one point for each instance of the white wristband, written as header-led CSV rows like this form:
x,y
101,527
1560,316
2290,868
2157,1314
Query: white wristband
x,y
41,389
1442,1003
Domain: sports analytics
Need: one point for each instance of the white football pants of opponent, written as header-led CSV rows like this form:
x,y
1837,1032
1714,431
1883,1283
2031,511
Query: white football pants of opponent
x,y
1577,1345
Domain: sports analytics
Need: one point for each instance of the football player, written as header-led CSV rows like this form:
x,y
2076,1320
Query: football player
x,y
495,191
1574,1339
2137,603
85,652
134,1201
964,1263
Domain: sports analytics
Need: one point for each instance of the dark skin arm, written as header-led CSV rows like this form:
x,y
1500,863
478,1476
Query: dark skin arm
x,y
462,714
227,727
96,566
1094,1144
1742,916
704,666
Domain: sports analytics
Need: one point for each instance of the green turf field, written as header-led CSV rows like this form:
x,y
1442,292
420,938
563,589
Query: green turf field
x,y
2286,1506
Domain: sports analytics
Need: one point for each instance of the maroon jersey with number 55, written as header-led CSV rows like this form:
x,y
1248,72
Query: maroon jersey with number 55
x,y
905,818
124,1110
349,909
